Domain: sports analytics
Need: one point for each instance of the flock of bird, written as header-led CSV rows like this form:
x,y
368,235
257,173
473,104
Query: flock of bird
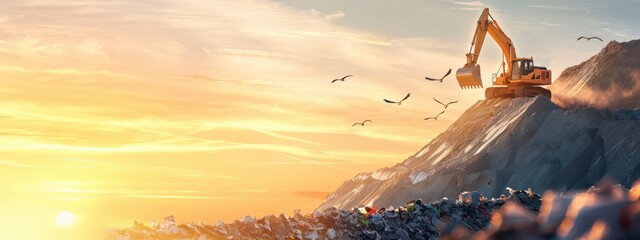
x,y
342,79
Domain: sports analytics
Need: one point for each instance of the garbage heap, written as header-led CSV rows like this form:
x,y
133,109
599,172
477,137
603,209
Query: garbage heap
x,y
605,212
609,212
415,220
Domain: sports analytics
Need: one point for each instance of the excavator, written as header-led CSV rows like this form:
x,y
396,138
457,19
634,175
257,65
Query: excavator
x,y
519,78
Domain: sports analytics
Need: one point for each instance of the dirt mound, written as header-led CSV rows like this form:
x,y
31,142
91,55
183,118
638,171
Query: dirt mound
x,y
609,79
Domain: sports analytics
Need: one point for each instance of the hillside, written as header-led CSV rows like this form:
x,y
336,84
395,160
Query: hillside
x,y
500,143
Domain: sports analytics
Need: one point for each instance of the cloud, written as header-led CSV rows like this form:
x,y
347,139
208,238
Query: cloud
x,y
312,194
621,34
334,15
254,53
470,4
16,164
467,9
206,78
555,7
159,168
173,196
550,24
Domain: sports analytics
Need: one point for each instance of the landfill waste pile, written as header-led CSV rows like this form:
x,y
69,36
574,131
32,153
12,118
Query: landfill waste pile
x,y
608,212
497,143
609,79
414,220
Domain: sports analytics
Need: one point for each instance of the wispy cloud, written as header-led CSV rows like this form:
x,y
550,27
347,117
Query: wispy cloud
x,y
16,164
176,170
312,194
173,196
468,6
621,34
205,78
550,24
555,7
337,14
254,53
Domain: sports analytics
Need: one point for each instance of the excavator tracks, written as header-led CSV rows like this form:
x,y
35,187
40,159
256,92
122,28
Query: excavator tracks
x,y
516,92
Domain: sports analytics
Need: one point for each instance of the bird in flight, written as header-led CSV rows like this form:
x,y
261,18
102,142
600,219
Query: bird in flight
x,y
362,123
433,79
445,105
436,117
589,38
400,102
341,79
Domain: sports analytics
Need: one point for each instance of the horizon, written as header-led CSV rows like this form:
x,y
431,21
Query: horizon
x,y
213,110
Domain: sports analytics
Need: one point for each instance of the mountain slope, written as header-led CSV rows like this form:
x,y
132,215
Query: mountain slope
x,y
609,79
502,143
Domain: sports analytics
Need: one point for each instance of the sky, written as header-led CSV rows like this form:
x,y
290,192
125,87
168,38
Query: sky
x,y
215,109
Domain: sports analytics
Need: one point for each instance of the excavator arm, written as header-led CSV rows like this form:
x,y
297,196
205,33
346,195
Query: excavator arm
x,y
469,75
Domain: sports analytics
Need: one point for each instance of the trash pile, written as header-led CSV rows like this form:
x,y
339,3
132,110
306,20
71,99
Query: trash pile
x,y
609,212
415,220
606,212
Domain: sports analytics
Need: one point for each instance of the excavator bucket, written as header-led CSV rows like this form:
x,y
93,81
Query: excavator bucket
x,y
469,77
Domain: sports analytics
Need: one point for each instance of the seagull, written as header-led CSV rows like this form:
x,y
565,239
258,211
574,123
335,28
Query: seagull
x,y
399,103
362,123
445,105
341,79
436,117
589,38
433,79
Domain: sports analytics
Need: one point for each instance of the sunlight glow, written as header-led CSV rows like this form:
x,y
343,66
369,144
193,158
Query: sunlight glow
x,y
65,219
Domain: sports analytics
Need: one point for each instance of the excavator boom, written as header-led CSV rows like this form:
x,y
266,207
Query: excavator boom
x,y
469,75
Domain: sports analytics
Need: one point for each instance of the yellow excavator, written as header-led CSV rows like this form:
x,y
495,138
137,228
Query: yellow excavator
x,y
519,75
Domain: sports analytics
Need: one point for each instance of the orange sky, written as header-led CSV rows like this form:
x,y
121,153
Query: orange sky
x,y
121,111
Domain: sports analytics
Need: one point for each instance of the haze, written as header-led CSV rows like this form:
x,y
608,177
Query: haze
x,y
211,110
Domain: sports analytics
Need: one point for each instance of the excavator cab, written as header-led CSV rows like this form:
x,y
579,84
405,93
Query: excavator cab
x,y
521,67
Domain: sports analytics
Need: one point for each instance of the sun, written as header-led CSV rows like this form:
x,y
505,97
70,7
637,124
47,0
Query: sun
x,y
65,219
